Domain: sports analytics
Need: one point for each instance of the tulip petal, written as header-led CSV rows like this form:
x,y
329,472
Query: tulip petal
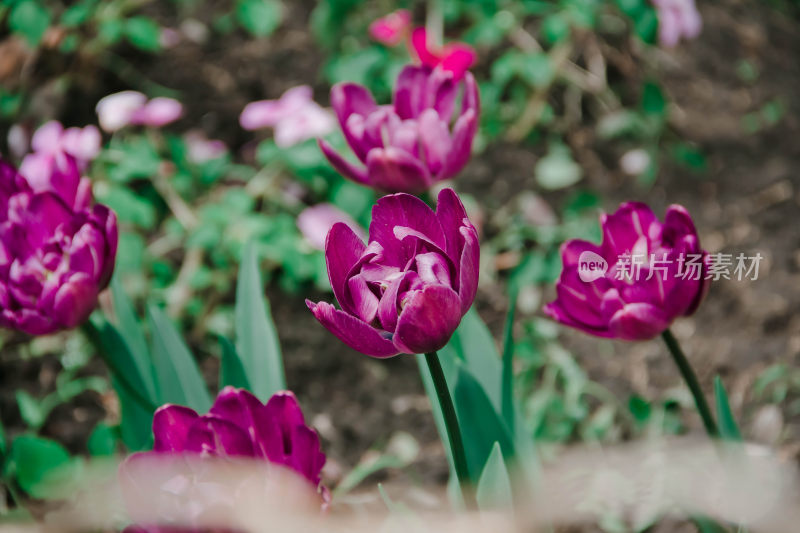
x,y
434,137
677,225
355,333
428,320
212,435
395,170
625,227
638,321
458,58
419,43
408,212
75,300
461,147
171,424
469,268
365,303
343,249
344,167
452,216
410,92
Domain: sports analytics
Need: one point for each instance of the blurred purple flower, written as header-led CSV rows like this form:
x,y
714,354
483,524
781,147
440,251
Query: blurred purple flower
x,y
295,117
677,19
392,28
316,221
118,110
409,145
238,424
54,260
406,291
633,285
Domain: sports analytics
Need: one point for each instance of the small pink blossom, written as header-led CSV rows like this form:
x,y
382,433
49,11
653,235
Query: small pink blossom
x,y
677,19
118,110
200,148
158,112
295,117
391,29
315,222
453,57
114,111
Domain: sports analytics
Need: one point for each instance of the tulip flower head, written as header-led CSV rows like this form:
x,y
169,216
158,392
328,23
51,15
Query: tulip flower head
x,y
239,425
407,289
391,29
632,286
54,259
677,19
409,145
453,57
295,117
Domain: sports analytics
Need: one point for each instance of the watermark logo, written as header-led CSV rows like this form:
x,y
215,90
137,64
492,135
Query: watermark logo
x,y
591,266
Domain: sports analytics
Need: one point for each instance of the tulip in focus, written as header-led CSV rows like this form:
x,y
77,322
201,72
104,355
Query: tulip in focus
x,y
295,117
409,145
125,108
54,259
677,19
391,29
643,276
316,221
453,57
407,289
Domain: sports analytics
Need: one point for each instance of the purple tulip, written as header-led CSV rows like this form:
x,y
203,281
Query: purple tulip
x,y
54,260
409,145
239,425
406,291
632,286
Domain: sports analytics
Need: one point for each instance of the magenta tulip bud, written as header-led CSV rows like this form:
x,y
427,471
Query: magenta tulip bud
x,y
643,276
53,260
407,289
239,425
409,145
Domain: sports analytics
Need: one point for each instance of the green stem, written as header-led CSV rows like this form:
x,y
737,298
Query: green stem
x,y
450,418
691,380
94,335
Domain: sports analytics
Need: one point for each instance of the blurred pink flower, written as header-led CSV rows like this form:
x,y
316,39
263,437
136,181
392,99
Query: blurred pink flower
x,y
19,140
677,19
392,28
115,110
158,112
453,57
316,221
295,117
57,151
200,148
118,110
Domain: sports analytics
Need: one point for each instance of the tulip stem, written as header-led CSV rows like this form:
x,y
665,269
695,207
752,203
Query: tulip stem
x,y
450,417
691,380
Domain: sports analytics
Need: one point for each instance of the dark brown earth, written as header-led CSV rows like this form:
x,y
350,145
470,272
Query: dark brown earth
x,y
747,201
